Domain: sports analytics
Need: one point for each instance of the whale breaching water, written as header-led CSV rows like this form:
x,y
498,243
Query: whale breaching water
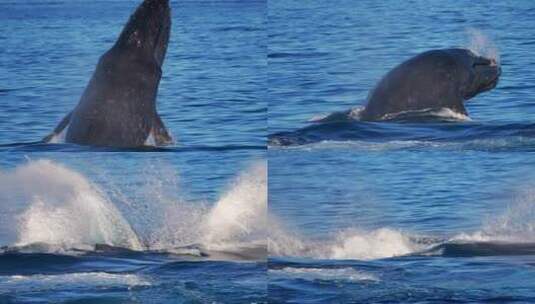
x,y
432,86
431,83
433,80
118,106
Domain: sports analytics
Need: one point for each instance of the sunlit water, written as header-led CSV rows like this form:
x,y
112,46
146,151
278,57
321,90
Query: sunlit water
x,y
181,224
398,212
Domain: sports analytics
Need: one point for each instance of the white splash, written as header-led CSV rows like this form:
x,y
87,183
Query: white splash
x,y
516,224
235,222
62,208
240,215
347,244
283,242
380,243
58,209
157,209
481,44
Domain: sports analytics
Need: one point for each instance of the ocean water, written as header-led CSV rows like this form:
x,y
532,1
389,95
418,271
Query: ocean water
x,y
179,224
405,212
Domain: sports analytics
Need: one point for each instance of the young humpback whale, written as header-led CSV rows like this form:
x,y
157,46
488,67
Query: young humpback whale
x,y
425,84
433,80
118,106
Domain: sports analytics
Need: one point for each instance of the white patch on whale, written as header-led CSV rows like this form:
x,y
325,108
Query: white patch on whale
x,y
59,138
442,113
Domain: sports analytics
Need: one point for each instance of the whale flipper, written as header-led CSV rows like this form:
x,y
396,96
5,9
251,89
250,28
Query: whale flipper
x,y
59,128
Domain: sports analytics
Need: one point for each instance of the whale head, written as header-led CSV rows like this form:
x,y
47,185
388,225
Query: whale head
x,y
147,31
435,79
482,73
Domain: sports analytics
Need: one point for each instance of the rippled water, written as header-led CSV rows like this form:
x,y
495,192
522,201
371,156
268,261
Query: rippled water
x,y
398,212
151,225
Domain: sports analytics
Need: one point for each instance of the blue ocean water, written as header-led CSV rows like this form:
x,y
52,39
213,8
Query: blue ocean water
x,y
179,224
400,212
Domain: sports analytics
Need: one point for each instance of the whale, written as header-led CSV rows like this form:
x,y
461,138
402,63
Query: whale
x,y
431,81
118,106
430,87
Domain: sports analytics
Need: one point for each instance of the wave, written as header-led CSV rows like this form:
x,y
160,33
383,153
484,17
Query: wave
x,y
347,274
381,136
59,210
57,145
88,280
238,28
516,144
281,55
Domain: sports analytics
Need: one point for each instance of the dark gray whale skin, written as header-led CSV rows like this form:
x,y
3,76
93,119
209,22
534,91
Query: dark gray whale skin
x,y
432,80
118,106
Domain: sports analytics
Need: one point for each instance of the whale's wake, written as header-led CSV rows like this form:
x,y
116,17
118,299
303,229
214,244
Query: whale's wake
x,y
510,233
60,210
345,244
